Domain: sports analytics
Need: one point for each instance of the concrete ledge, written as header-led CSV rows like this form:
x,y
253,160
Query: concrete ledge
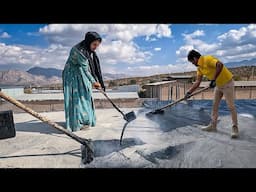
x,y
58,105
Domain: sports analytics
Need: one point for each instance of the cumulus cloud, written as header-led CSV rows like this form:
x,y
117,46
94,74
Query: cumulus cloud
x,y
113,52
196,33
53,56
5,35
68,34
118,46
234,45
242,36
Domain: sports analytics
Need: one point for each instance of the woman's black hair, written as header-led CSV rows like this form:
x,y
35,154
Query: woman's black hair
x,y
193,54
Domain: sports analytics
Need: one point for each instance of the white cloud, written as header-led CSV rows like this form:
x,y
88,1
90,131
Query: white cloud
x,y
5,35
158,49
234,45
117,48
159,69
114,52
242,36
69,34
196,33
53,56
163,30
118,44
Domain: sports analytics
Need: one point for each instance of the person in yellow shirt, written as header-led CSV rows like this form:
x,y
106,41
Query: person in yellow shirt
x,y
221,79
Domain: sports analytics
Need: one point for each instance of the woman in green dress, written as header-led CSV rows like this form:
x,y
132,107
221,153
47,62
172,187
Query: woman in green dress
x,y
82,72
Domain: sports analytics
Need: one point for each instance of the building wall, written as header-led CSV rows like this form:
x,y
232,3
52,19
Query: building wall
x,y
13,92
177,91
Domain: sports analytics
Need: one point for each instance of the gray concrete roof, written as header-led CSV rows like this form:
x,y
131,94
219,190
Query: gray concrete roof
x,y
172,140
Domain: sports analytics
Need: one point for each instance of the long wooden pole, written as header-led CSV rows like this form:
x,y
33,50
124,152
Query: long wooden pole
x,y
42,118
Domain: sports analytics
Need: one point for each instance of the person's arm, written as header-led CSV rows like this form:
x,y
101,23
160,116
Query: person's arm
x,y
194,87
219,67
196,84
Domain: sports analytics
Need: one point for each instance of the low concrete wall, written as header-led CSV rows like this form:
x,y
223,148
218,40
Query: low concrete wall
x,y
58,105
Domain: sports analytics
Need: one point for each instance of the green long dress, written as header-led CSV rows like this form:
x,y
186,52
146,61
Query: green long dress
x,y
77,85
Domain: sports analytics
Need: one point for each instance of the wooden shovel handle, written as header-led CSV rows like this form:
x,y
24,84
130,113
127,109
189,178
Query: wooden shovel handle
x,y
42,118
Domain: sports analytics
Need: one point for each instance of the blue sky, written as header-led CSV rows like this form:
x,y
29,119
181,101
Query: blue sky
x,y
133,49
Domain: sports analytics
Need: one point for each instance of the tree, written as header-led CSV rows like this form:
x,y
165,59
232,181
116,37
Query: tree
x,y
133,81
112,84
152,81
237,78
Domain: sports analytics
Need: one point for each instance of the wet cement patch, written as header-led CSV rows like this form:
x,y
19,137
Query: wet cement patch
x,y
168,153
177,116
105,147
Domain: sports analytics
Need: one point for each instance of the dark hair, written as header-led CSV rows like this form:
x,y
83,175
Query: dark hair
x,y
192,54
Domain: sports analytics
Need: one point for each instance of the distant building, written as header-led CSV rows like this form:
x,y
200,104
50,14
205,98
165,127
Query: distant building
x,y
13,91
162,90
243,89
126,88
181,78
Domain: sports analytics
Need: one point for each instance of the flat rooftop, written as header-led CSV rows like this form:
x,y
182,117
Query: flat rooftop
x,y
60,96
237,84
171,140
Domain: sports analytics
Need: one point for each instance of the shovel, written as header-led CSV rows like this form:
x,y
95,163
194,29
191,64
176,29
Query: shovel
x,y
128,116
161,110
86,148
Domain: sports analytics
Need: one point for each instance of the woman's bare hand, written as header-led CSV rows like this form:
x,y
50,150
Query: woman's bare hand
x,y
96,85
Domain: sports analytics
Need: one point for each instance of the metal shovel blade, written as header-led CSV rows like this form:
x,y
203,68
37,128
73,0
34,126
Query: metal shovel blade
x,y
130,116
87,152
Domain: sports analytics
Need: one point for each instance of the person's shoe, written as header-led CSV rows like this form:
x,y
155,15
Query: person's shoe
x,y
210,128
84,127
235,132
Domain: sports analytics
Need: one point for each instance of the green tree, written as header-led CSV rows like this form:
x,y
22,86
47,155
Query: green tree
x,y
133,81
237,77
112,84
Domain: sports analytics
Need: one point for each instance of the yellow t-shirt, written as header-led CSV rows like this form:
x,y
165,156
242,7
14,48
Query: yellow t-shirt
x,y
207,67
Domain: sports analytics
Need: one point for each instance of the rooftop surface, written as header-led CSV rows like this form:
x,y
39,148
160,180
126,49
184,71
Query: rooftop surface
x,y
237,84
60,96
171,140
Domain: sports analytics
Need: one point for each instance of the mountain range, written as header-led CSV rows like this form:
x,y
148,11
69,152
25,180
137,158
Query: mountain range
x,y
46,76
51,72
251,62
40,76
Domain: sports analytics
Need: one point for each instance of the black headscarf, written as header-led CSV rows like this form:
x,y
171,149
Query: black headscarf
x,y
94,62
